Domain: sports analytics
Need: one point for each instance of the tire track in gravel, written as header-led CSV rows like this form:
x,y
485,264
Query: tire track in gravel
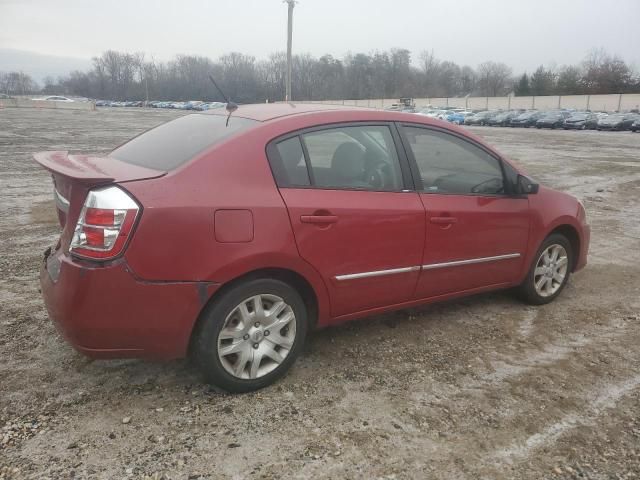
x,y
605,399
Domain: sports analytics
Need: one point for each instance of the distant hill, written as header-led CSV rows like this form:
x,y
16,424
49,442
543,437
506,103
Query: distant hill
x,y
39,65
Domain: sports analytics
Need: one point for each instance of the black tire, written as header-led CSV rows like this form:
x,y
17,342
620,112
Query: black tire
x,y
205,343
527,290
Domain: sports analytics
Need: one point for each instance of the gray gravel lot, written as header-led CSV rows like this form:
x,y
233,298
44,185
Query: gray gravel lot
x,y
480,388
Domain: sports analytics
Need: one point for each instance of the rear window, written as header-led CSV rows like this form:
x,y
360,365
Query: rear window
x,y
173,143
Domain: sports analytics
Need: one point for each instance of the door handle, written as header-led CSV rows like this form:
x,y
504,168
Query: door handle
x,y
444,220
319,219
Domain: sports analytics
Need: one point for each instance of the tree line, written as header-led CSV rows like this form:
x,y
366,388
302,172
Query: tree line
x,y
381,74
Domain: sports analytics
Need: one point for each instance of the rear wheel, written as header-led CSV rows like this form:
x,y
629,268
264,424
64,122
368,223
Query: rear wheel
x,y
549,272
251,335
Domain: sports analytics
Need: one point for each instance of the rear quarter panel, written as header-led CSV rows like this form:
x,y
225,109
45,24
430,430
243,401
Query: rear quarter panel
x,y
176,238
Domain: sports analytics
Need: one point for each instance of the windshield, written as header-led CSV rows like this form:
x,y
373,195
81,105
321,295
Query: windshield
x,y
579,116
173,143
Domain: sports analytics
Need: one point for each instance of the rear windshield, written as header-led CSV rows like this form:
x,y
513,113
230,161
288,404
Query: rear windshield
x,y
171,144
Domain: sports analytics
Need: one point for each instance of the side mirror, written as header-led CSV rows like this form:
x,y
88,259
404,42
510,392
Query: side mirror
x,y
527,186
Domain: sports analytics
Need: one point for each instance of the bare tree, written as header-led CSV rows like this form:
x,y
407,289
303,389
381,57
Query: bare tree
x,y
388,74
493,78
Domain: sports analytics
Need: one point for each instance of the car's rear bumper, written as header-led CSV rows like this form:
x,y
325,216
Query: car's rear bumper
x,y
106,312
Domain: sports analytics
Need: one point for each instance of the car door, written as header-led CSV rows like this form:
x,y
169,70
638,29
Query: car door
x,y
476,232
352,217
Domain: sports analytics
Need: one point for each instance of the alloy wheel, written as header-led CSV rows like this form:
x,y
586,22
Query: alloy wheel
x,y
257,336
551,270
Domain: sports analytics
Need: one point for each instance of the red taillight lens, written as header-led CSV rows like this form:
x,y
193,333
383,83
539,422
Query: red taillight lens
x,y
105,223
99,216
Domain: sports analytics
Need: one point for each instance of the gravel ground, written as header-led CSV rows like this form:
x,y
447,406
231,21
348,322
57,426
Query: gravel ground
x,y
480,388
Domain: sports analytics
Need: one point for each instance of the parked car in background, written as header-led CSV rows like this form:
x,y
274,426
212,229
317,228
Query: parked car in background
x,y
552,120
635,127
4,96
170,249
454,117
617,121
54,98
481,118
581,121
209,106
431,112
526,119
192,104
502,119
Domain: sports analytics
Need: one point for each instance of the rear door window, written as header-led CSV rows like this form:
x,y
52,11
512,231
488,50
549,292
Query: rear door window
x,y
350,157
174,143
292,168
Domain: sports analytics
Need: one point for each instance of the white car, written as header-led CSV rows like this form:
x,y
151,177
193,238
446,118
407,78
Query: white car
x,y
432,113
54,98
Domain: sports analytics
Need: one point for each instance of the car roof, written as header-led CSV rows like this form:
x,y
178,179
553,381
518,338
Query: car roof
x,y
313,114
264,112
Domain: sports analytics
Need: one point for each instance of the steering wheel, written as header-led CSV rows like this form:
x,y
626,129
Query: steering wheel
x,y
380,176
482,187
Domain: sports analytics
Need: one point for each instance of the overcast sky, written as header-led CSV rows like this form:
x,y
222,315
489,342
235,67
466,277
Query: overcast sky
x,y
523,34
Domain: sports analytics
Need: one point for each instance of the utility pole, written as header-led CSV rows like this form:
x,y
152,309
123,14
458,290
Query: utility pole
x,y
291,4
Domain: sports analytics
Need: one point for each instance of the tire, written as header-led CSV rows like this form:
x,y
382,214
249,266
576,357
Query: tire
x,y
528,291
246,330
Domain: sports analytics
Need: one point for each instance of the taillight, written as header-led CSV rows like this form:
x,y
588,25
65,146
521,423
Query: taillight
x,y
105,223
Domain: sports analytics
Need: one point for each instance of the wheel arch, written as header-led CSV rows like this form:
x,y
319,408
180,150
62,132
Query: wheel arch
x,y
296,280
571,234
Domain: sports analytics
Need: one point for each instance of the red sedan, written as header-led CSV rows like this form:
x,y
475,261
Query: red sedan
x,y
230,241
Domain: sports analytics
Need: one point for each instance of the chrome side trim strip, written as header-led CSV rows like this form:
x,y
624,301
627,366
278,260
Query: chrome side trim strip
x,y
378,273
432,266
471,261
61,202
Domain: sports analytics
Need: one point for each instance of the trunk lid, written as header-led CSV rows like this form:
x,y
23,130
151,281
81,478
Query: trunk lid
x,y
74,175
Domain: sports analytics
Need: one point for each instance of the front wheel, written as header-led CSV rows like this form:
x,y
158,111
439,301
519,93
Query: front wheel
x,y
549,272
251,335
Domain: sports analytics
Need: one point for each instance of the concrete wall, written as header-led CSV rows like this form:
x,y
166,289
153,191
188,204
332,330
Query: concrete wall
x,y
607,103
28,103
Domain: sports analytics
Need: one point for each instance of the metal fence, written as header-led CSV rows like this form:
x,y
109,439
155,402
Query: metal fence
x,y
607,103
28,103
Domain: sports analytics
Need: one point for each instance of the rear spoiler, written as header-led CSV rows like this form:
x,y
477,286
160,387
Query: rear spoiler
x,y
79,167
93,170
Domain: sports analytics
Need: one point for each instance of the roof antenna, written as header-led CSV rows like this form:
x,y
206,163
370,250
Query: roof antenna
x,y
231,106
